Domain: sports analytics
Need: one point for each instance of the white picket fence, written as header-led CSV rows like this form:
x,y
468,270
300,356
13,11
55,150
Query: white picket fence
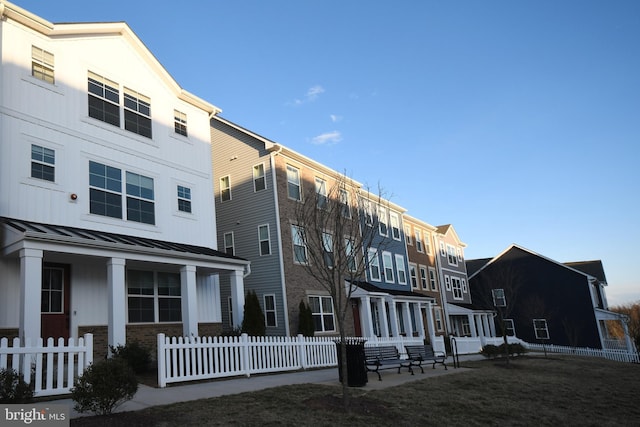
x,y
611,354
197,358
50,368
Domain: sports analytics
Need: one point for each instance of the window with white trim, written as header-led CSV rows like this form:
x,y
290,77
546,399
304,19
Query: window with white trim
x,y
140,198
293,183
259,178
229,244
459,253
264,240
104,99
427,243
407,235
509,327
437,312
137,113
443,251
322,312
225,188
52,291
419,247
451,255
180,122
43,161
423,277
433,279
413,274
105,190
387,264
153,297
540,329
345,210
351,255
184,199
368,213
327,249
299,245
464,285
395,226
42,65
374,265
321,193
270,318
447,283
456,288
382,222
401,269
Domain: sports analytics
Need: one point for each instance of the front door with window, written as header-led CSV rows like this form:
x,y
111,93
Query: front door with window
x,y
54,302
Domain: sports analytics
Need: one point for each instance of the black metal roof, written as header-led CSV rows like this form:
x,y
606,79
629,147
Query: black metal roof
x,y
373,288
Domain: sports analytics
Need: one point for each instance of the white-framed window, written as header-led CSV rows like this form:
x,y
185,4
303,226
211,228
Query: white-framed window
x,y
140,198
459,253
464,285
433,279
452,259
374,265
382,222
270,318
137,113
259,178
540,329
153,297
345,210
322,312
447,283
413,274
184,199
427,243
42,65
443,251
229,243
321,193
225,188
368,212
407,235
299,245
456,287
387,264
52,291
327,249
423,277
180,123
466,327
509,327
395,226
499,298
401,270
437,312
43,161
352,263
419,247
293,183
264,239
104,99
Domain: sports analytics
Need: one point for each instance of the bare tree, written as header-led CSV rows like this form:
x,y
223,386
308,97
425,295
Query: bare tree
x,y
336,225
632,311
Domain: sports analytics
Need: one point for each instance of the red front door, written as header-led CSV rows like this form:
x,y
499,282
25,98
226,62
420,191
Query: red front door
x,y
54,304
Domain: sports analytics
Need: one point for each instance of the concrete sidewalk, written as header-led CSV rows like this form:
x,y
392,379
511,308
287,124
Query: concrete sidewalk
x,y
150,396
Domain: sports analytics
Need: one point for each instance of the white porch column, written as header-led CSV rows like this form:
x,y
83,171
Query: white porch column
x,y
116,294
189,301
472,324
30,291
393,317
404,312
417,313
366,317
430,322
382,310
492,326
237,297
485,324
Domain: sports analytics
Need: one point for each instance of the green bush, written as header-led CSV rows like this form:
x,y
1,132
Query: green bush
x,y
490,351
305,321
104,386
13,388
137,356
253,321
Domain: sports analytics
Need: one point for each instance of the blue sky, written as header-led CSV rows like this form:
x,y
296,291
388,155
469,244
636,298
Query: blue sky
x,y
517,122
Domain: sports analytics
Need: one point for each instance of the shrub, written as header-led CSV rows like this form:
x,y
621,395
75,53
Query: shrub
x,y
253,322
305,320
490,351
104,386
13,388
137,356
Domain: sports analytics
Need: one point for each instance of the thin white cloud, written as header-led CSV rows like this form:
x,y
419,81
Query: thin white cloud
x,y
327,138
335,118
311,95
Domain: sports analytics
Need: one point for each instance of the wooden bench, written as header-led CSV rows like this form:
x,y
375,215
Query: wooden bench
x,y
385,357
424,353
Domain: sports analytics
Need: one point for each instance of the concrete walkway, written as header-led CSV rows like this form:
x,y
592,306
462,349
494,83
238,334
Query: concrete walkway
x,y
150,396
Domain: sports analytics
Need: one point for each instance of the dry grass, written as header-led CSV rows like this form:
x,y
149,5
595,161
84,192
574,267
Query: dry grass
x,y
533,391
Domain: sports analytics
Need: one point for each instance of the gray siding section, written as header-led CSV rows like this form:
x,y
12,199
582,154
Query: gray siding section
x,y
235,153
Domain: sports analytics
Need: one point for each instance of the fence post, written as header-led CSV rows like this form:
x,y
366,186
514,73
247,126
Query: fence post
x,y
302,351
162,377
245,362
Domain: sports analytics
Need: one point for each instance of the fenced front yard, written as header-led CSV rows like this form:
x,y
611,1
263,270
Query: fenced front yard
x,y
611,354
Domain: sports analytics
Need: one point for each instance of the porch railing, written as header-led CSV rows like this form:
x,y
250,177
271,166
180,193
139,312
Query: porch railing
x,y
611,354
51,368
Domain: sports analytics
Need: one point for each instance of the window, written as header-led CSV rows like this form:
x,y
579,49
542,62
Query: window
x,y
52,296
540,329
443,252
451,255
322,311
401,270
459,253
140,199
438,315
387,263
137,113
466,327
299,245
368,213
184,199
321,193
382,222
499,298
464,285
374,265
447,283
259,179
509,327
407,235
229,247
42,65
293,183
264,240
423,277
270,310
344,204
153,296
43,162
427,242
104,99
225,188
413,273
180,122
327,249
433,280
395,226
105,191
351,256
456,287
419,247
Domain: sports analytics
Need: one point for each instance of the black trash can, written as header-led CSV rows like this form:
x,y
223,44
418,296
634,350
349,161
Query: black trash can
x,y
356,368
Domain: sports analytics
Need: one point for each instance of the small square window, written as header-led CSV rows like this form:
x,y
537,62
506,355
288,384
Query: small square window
x,y
184,199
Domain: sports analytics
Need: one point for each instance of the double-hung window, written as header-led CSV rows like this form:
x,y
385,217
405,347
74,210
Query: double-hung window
x,y
344,204
413,273
433,281
374,265
259,179
270,319
427,242
184,199
419,247
322,312
42,65
401,270
140,199
264,240
180,122
225,188
456,288
387,264
395,226
229,247
350,253
137,113
43,162
407,235
451,255
509,327
327,249
423,277
293,183
104,99
382,222
321,193
153,297
299,245
105,190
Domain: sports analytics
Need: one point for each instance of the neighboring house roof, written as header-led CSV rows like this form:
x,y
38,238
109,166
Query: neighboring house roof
x,y
448,228
592,268
474,265
97,238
